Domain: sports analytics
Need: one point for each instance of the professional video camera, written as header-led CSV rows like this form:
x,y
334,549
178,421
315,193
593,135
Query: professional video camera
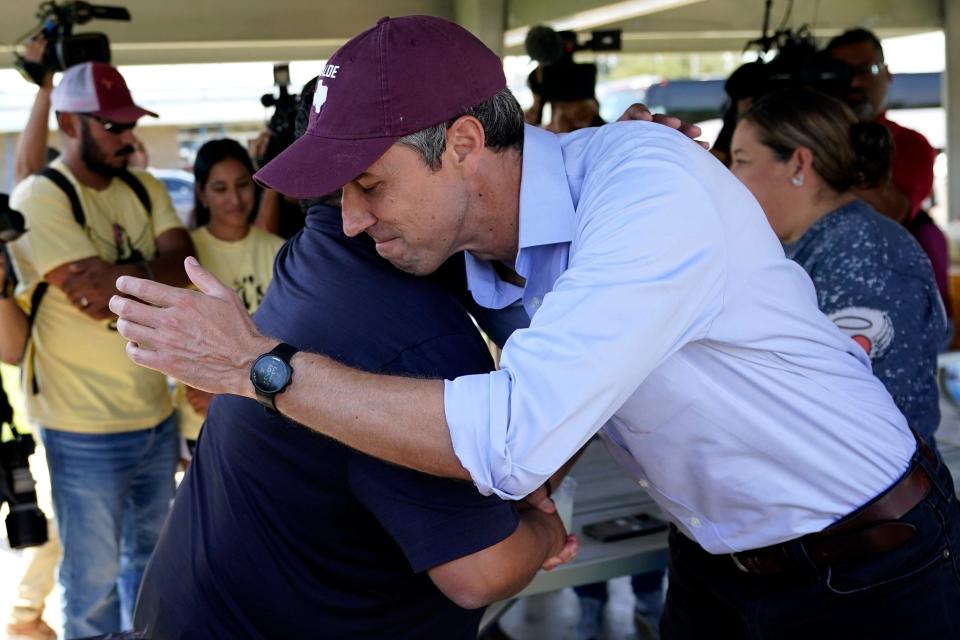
x,y
64,48
558,77
798,63
285,106
11,228
547,46
26,523
11,222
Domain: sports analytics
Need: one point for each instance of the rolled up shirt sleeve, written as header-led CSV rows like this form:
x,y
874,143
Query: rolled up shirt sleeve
x,y
477,411
646,277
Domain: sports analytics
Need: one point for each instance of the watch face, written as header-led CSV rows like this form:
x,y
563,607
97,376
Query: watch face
x,y
270,374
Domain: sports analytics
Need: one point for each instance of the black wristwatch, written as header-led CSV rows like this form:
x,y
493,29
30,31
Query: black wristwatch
x,y
271,374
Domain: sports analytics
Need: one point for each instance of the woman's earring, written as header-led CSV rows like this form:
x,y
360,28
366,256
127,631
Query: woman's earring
x,y
797,180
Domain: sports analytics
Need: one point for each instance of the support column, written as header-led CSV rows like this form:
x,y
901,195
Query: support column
x,y
486,19
9,144
951,97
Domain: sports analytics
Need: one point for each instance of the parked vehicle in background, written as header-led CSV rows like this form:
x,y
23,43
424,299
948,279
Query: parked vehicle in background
x,y
179,185
695,100
615,96
700,100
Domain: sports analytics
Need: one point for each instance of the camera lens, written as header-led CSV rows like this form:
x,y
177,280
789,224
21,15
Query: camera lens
x,y
26,526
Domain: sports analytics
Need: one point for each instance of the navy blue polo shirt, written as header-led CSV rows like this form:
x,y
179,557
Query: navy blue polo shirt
x,y
279,532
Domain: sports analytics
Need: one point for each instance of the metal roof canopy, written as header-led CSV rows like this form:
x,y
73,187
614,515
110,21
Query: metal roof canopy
x,y
180,31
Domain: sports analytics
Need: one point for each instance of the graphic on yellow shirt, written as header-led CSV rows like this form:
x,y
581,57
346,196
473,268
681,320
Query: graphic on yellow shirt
x,y
126,252
251,290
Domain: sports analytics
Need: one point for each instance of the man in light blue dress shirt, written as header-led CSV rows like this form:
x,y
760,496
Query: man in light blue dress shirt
x,y
645,297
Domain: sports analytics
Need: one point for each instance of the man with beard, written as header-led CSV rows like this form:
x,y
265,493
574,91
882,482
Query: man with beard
x,y
911,178
107,426
910,182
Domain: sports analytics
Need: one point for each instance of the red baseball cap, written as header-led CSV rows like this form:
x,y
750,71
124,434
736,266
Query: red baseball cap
x,y
96,88
399,77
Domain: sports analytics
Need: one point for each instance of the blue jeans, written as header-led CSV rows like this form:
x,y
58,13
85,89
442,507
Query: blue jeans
x,y
111,495
910,592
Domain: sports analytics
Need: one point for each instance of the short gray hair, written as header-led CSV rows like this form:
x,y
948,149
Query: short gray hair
x,y
502,120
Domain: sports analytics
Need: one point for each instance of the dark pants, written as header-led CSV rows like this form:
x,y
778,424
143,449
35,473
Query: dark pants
x,y
910,592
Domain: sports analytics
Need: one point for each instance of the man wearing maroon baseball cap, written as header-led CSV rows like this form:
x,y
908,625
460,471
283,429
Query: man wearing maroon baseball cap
x,y
108,429
639,292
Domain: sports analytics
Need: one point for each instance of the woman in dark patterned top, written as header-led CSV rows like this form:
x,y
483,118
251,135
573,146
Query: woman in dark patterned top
x,y
803,154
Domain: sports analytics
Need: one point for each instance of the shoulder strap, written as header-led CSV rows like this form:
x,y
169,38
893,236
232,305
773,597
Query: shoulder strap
x,y
6,411
57,178
67,187
38,292
137,187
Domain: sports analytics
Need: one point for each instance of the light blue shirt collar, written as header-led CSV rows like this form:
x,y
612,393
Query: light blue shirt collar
x,y
546,208
546,218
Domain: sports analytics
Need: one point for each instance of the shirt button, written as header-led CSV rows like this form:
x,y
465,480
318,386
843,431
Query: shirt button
x,y
536,302
695,522
643,483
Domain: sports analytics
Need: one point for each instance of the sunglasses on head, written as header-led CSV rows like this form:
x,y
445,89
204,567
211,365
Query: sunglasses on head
x,y
109,125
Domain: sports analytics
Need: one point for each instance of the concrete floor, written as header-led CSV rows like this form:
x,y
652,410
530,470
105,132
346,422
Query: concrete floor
x,y
554,615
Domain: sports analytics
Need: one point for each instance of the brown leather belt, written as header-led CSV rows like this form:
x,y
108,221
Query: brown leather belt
x,y
872,529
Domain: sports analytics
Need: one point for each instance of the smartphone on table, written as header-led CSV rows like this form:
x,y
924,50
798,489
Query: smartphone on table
x,y
624,527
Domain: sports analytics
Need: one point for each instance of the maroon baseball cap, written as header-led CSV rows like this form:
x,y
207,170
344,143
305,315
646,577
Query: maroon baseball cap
x,y
399,77
98,89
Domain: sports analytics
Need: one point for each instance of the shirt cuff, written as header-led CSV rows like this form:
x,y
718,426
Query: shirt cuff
x,y
477,409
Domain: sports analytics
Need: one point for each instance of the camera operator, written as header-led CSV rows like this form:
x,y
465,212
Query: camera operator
x,y
276,214
26,616
31,151
901,195
572,98
110,438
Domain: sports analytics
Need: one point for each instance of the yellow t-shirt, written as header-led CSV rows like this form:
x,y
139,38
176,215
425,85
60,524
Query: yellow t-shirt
x,y
87,384
245,265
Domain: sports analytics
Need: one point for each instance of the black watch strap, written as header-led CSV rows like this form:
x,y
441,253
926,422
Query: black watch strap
x,y
285,352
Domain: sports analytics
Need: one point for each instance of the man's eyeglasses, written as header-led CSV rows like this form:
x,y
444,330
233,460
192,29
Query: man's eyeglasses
x,y
110,126
874,69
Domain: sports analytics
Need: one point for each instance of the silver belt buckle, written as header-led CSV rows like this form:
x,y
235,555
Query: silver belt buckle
x,y
739,565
